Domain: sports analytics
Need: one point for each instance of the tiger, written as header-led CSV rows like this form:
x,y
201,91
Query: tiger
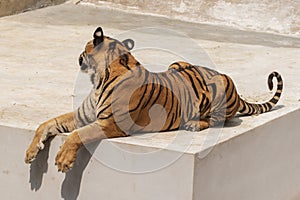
x,y
126,99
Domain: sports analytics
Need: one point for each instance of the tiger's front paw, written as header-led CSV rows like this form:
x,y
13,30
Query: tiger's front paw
x,y
31,153
66,157
37,143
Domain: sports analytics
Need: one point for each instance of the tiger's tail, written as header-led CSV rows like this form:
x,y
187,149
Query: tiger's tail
x,y
254,109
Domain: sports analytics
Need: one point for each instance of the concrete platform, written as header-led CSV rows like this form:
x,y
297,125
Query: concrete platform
x,y
251,158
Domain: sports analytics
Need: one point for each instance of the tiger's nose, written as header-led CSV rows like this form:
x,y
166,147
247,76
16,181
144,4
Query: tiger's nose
x,y
80,61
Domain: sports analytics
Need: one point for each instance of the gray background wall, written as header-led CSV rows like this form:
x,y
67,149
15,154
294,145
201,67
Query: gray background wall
x,y
9,7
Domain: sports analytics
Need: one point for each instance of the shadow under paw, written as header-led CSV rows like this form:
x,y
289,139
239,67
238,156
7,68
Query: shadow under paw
x,y
71,185
39,167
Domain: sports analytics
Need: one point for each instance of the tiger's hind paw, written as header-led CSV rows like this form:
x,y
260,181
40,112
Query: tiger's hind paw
x,y
196,125
191,126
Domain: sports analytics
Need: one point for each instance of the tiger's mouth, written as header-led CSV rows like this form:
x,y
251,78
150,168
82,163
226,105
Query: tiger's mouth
x,y
84,68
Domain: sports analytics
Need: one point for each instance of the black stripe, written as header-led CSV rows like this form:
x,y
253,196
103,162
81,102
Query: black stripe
x,y
124,61
232,104
114,88
170,89
204,105
231,96
180,68
119,83
107,96
107,84
64,128
178,110
169,81
92,103
260,108
107,74
201,102
264,106
150,95
198,68
112,46
159,91
269,106
277,94
189,104
103,109
200,82
244,106
84,111
192,83
58,130
171,123
166,93
145,90
214,90
250,108
140,100
139,69
211,72
99,84
279,87
228,82
273,101
79,117
181,96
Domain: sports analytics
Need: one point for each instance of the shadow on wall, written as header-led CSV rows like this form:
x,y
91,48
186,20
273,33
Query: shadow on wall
x,y
39,167
71,185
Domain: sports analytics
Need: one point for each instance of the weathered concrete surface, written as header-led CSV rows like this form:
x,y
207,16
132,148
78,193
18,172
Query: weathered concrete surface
x,y
281,16
15,6
38,63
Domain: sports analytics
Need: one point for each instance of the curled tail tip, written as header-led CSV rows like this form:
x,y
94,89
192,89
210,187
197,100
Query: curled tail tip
x,y
270,79
253,108
277,95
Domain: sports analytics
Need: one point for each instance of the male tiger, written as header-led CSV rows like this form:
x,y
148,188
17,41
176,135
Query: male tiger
x,y
124,94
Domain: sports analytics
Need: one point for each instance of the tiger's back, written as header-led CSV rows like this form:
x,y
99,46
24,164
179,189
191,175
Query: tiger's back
x,y
189,97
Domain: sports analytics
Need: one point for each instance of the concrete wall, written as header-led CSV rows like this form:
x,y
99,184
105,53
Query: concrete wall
x,y
10,7
89,179
260,164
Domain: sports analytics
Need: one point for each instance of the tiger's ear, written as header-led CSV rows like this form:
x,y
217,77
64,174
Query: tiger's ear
x,y
98,36
128,43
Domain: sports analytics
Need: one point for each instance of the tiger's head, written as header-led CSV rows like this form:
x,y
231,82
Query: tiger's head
x,y
100,52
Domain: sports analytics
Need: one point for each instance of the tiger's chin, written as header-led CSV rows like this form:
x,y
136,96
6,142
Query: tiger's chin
x,y
92,79
91,74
